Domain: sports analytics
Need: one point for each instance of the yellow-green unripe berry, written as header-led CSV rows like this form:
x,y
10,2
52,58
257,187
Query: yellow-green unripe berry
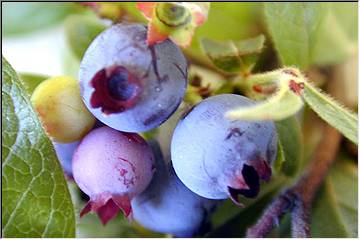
x,y
61,109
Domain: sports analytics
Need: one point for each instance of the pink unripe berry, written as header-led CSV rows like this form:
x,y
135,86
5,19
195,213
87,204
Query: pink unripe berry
x,y
112,167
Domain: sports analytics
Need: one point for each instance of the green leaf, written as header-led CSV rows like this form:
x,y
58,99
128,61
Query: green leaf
x,y
230,56
293,27
31,80
335,211
290,141
224,55
240,18
280,159
341,45
80,32
35,198
250,45
284,103
332,112
308,33
347,15
24,17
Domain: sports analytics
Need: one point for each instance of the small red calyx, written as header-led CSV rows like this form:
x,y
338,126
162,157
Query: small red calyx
x,y
116,90
249,185
107,206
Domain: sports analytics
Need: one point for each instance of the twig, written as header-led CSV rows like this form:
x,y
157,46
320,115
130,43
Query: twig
x,y
270,218
300,220
298,198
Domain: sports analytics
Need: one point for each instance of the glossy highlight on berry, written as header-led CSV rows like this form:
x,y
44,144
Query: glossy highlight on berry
x,y
129,85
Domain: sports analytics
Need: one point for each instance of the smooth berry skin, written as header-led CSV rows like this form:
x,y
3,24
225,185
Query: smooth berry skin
x,y
218,158
112,167
168,206
61,110
129,85
65,152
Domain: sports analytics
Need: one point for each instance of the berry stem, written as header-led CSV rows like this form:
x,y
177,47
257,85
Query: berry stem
x,y
270,217
300,220
298,198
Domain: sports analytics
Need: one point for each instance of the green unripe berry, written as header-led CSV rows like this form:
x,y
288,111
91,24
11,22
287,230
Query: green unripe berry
x,y
61,109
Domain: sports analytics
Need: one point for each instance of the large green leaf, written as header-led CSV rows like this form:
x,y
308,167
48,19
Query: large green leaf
x,y
332,112
24,17
331,35
35,198
335,212
308,33
81,31
347,15
293,27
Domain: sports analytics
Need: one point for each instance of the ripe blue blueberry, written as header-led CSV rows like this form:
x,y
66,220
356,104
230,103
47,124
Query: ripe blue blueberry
x,y
112,167
167,206
129,85
218,158
65,152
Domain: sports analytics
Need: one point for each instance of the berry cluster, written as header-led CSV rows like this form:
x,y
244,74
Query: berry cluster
x,y
126,87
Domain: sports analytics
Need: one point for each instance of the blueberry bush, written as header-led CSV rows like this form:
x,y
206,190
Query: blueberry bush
x,y
181,119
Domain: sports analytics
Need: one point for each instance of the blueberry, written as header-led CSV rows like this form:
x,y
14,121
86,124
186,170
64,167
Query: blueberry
x,y
129,85
61,110
112,167
65,152
167,206
218,158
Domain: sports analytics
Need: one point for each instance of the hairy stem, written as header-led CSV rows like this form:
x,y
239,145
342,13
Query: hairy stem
x,y
298,199
300,220
270,218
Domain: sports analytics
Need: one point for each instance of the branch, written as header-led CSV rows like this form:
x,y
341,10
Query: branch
x,y
270,218
299,197
300,220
